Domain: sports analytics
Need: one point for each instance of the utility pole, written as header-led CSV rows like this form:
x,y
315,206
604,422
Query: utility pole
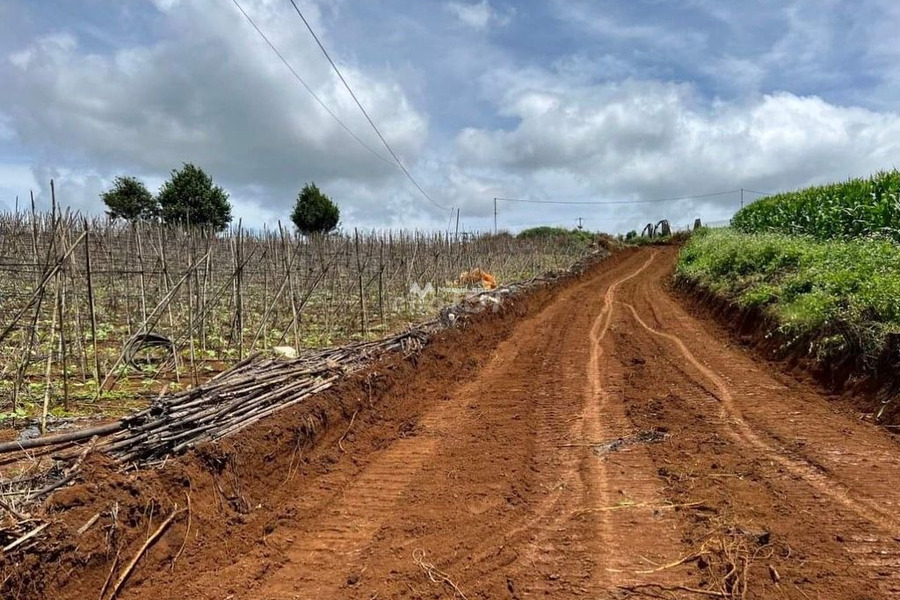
x,y
742,197
456,233
495,216
580,227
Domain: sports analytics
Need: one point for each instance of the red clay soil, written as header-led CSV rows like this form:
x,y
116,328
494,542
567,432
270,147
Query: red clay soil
x,y
872,386
597,441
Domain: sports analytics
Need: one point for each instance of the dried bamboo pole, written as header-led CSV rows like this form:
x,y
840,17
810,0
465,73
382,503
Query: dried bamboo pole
x,y
63,350
364,321
92,305
48,381
141,281
239,306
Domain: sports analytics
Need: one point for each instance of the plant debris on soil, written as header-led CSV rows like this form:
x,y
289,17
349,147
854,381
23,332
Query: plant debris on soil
x,y
644,437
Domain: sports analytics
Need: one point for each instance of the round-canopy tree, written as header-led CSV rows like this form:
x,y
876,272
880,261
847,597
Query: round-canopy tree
x,y
129,199
314,212
190,197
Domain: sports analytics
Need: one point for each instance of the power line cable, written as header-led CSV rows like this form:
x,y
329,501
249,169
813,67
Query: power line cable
x,y
309,89
361,108
760,193
608,202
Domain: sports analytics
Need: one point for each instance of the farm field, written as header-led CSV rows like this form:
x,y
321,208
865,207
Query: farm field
x,y
600,442
73,293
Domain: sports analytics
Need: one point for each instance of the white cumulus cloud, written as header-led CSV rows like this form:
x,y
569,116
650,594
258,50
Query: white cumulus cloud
x,y
210,92
479,15
647,138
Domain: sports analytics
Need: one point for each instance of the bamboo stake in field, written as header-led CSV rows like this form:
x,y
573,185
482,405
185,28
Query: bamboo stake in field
x,y
364,321
143,284
381,283
34,239
295,321
92,305
166,286
193,354
239,308
63,350
48,382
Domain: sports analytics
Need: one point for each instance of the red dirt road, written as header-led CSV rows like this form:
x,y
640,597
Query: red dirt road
x,y
611,446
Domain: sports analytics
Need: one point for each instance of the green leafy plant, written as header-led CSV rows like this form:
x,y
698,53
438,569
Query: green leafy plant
x,y
831,294
190,198
854,208
314,212
130,199
575,236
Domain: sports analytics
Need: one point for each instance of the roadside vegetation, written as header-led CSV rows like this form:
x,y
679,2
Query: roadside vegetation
x,y
820,264
679,237
833,298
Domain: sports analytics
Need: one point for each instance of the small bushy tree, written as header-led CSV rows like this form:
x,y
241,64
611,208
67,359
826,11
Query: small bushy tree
x,y
190,197
314,212
130,199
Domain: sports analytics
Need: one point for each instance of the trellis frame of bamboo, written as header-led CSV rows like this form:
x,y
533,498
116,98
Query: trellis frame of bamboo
x,y
73,289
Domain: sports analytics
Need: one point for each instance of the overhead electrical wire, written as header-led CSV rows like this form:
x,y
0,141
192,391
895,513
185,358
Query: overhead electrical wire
x,y
399,163
608,202
309,89
364,112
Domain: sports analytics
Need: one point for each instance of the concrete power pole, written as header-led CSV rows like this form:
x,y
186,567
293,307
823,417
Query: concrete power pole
x,y
495,216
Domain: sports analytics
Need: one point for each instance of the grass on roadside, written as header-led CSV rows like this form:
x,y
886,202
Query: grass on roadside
x,y
838,298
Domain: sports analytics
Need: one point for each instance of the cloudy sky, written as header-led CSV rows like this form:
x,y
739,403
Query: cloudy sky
x,y
565,100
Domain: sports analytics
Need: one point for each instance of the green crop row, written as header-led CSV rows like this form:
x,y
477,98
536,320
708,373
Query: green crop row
x,y
854,208
829,298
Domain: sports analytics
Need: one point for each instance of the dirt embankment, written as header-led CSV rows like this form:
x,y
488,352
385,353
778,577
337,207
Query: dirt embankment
x,y
871,386
597,441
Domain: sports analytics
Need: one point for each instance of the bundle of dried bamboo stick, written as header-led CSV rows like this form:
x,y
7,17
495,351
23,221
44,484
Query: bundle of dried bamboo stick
x,y
235,399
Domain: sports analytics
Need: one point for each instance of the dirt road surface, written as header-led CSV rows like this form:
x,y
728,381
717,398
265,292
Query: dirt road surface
x,y
613,445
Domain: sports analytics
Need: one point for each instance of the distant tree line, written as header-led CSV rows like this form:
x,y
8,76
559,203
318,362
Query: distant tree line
x,y
190,198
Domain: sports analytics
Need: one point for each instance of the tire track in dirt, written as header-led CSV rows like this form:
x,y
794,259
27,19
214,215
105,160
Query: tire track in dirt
x,y
349,524
565,538
587,508
744,433
797,433
341,541
554,536
601,425
530,479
